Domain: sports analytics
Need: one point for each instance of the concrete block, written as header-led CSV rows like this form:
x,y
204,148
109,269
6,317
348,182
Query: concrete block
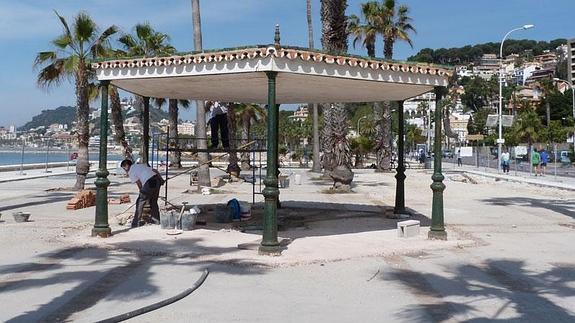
x,y
408,229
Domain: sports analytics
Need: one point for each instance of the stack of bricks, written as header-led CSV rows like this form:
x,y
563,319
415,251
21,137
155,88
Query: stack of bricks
x,y
123,199
82,200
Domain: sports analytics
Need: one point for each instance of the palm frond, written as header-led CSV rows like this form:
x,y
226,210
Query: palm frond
x,y
63,41
43,57
101,46
159,102
64,23
93,91
70,64
52,74
84,29
184,103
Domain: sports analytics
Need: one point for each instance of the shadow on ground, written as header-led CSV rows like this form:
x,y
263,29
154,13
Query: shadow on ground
x,y
471,292
565,207
89,275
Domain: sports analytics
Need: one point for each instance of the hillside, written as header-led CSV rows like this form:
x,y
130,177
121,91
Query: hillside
x,y
67,115
471,53
63,115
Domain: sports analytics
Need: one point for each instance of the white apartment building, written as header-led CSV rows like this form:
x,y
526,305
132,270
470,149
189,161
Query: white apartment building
x,y
571,59
186,128
300,114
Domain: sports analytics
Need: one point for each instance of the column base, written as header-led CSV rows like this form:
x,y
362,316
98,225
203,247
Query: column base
x,y
101,232
400,214
437,235
270,250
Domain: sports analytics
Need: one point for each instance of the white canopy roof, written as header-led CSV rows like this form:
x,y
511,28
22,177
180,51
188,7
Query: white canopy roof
x,y
304,76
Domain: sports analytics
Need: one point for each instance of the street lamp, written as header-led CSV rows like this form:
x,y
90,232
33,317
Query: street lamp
x,y
358,120
500,140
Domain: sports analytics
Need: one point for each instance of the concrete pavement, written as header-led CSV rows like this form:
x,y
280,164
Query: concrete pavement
x,y
518,268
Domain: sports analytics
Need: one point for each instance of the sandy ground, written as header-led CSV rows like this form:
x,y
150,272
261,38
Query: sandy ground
x,y
509,257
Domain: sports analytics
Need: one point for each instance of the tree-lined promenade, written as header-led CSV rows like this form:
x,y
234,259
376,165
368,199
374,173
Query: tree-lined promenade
x,y
388,22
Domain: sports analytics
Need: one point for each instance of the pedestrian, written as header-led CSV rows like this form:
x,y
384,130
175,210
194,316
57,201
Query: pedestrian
x,y
505,161
149,181
218,120
459,160
536,161
421,156
544,160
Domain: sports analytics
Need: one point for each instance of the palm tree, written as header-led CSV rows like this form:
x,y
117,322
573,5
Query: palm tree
x,y
315,107
173,113
526,127
247,114
366,31
118,122
201,133
233,166
145,42
334,26
548,88
393,23
397,26
334,40
73,52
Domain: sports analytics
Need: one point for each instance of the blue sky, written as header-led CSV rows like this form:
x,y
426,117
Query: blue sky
x,y
27,26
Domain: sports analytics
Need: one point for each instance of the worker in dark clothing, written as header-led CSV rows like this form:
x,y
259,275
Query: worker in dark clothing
x,y
218,121
149,181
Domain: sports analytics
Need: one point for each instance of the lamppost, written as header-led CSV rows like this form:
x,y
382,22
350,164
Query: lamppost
x,y
500,140
358,120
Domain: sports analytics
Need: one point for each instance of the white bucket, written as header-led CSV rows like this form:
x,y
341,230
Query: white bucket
x,y
297,179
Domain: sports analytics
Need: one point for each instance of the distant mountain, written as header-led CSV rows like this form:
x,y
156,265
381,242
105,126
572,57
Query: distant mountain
x,y
470,53
67,115
62,115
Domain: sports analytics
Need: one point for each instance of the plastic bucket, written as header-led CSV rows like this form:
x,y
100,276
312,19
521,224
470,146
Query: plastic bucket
x,y
188,221
168,220
297,179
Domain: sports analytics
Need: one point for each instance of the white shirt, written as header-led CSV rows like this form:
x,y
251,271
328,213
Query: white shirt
x,y
505,157
140,172
218,108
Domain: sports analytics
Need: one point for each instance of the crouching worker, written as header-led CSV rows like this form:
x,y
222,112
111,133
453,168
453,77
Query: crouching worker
x,y
149,181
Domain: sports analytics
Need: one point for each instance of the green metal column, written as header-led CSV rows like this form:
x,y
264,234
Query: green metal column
x,y
144,155
437,226
270,244
101,227
400,176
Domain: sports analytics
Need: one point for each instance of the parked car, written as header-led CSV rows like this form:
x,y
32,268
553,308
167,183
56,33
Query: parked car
x,y
447,153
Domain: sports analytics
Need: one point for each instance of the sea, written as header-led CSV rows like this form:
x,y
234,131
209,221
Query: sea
x,y
40,157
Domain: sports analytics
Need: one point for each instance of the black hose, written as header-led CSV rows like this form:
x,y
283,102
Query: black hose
x,y
155,306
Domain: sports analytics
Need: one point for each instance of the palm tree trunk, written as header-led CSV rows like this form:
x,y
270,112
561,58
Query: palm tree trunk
x,y
316,163
233,156
309,25
201,134
334,26
548,111
173,122
245,156
382,111
118,122
327,160
139,107
83,128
